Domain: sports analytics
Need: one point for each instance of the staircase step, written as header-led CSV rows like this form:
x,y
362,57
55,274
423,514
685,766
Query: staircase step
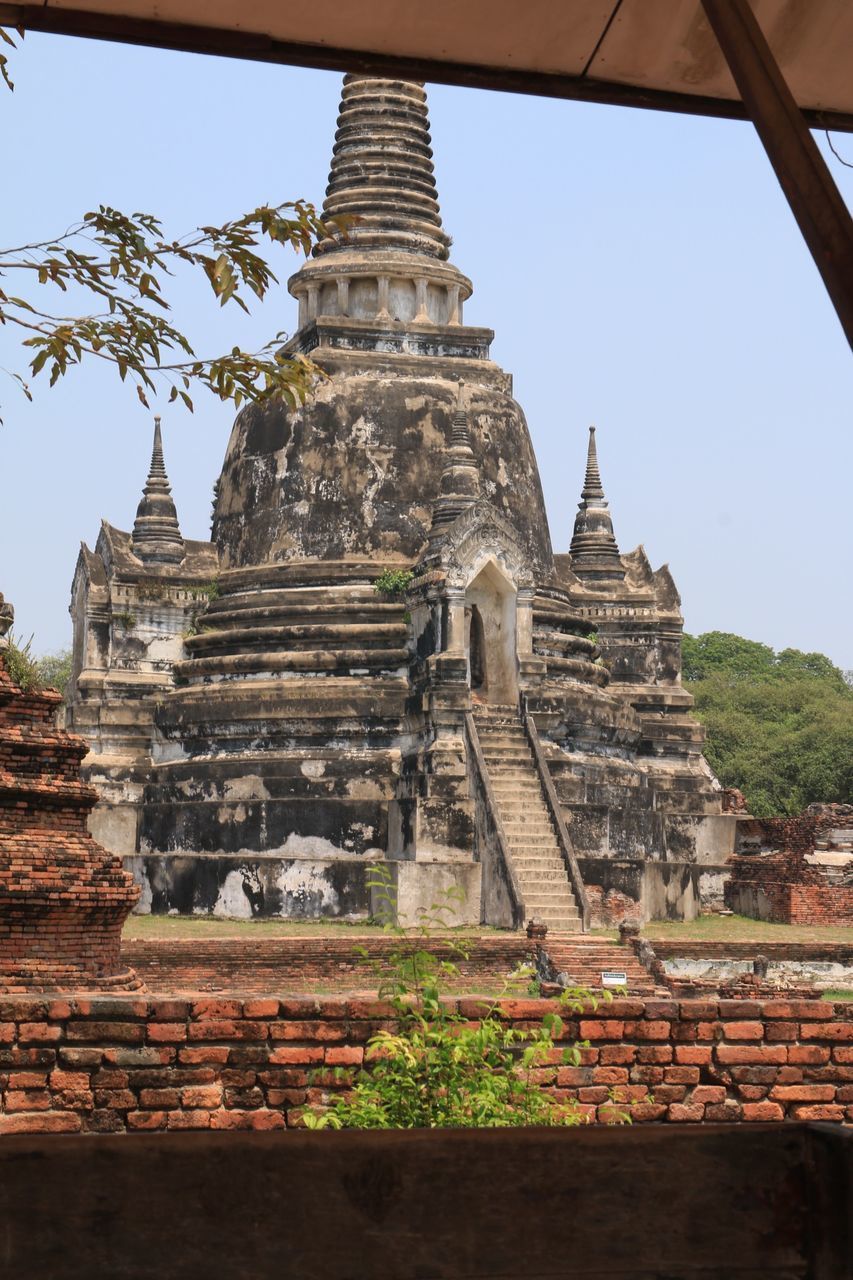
x,y
534,849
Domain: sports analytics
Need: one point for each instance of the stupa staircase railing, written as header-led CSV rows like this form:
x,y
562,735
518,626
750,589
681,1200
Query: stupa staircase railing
x,y
552,801
491,832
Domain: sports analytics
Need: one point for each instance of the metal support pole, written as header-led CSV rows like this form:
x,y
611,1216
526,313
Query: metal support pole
x,y
815,200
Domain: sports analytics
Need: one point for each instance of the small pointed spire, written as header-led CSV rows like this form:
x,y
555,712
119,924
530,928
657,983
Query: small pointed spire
x,y
460,478
156,537
594,551
592,486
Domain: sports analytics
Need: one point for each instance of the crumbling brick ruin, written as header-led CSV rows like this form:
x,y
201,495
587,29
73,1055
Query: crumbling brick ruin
x,y
796,870
63,899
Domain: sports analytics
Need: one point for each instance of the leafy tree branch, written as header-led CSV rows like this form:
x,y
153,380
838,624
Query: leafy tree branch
x,y
122,263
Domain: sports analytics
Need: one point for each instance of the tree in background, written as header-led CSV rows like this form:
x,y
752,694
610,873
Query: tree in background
x,y
780,725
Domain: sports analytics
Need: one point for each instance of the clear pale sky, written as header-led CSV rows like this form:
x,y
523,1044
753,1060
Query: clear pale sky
x,y
641,271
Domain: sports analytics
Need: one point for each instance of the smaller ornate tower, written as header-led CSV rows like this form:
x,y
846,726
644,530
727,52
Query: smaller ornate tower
x,y
595,555
156,537
133,600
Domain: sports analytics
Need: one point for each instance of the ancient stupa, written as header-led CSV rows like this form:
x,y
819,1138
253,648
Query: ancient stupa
x,y
378,656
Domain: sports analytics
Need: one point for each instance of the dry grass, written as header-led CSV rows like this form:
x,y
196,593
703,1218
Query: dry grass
x,y
742,929
208,927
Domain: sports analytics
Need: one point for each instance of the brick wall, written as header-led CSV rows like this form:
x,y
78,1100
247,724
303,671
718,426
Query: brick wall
x,y
110,1064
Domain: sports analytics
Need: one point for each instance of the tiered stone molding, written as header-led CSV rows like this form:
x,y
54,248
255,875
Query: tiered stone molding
x,y
63,899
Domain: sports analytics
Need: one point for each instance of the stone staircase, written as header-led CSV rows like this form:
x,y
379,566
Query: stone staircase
x,y
580,962
532,840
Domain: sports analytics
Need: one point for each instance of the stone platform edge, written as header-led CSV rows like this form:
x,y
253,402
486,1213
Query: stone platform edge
x,y
111,1065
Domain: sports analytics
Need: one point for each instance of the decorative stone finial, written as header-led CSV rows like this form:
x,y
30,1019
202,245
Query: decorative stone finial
x,y
7,617
460,479
382,169
595,554
156,535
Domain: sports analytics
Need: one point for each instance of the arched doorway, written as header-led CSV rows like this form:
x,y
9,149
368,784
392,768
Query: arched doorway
x,y
490,637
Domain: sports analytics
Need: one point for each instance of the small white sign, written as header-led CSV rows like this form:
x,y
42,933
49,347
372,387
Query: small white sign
x,y
613,978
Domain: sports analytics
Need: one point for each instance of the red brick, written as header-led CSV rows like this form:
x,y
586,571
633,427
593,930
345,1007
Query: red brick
x,y
803,1092
166,1032
645,1112
661,1053
681,1113
28,1100
826,1112
115,1099
614,1055
736,1009
808,1054
681,1075
727,1112
670,1092
188,1120
227,1030
296,1054
647,1030
597,1094
697,1010
344,1055
159,1099
322,1031
214,1053
610,1075
775,1031
827,1031
743,1030
764,1053
798,1010
38,1033
27,1079
705,1093
69,1079
699,1055
598,1030
104,1033
41,1122
204,1096
146,1119
261,1009
217,1009
261,1119
762,1111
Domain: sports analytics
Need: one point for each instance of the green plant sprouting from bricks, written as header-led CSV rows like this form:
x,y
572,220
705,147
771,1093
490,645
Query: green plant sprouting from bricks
x,y
393,582
125,620
22,667
438,1068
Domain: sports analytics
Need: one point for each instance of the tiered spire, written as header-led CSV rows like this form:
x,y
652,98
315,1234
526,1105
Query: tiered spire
x,y
595,554
389,265
460,478
156,535
382,169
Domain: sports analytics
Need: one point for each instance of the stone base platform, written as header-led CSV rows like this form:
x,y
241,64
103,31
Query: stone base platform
x,y
308,965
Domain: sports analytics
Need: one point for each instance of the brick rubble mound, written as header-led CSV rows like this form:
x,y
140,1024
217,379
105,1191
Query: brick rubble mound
x,y
63,898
